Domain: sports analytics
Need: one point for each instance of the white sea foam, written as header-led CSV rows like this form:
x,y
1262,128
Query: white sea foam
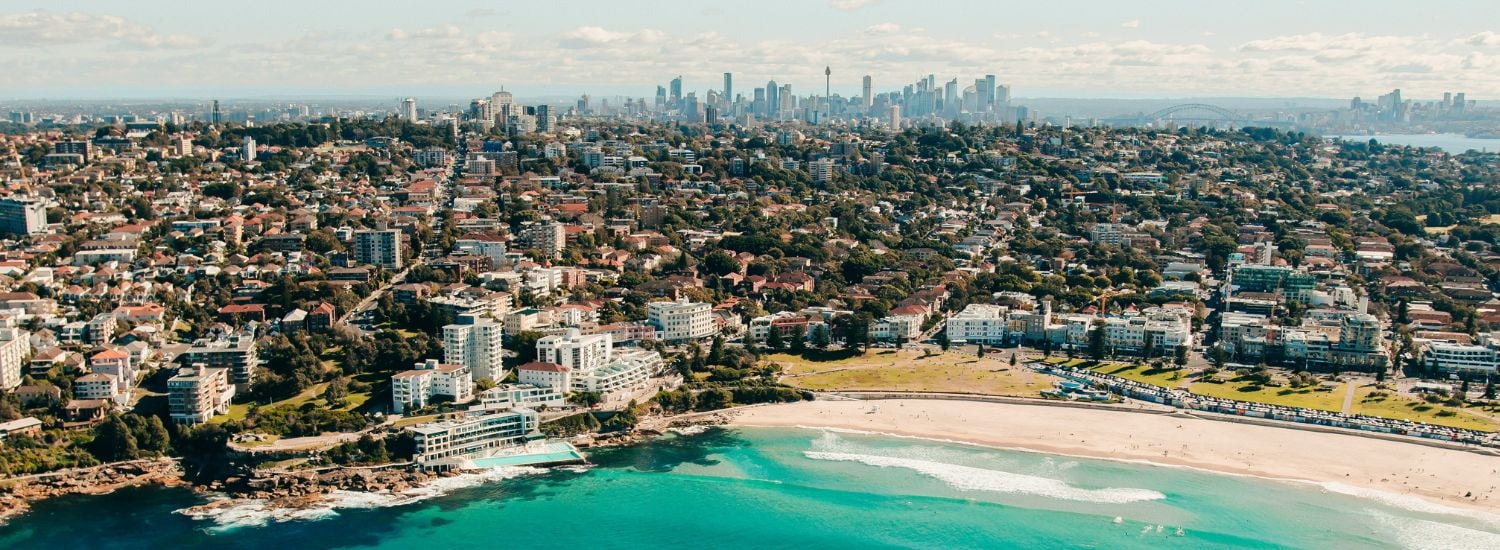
x,y
257,512
1421,534
1408,502
968,478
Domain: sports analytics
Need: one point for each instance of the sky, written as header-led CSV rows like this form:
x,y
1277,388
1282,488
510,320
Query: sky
x,y
72,49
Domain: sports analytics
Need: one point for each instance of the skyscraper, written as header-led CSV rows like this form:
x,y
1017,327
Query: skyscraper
x,y
728,96
869,92
409,109
773,99
989,92
676,90
894,117
247,154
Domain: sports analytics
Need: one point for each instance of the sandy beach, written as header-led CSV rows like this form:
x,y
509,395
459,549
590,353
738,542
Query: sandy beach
x,y
1454,477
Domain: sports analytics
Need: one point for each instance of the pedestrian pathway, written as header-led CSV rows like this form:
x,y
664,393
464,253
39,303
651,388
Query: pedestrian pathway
x,y
1348,397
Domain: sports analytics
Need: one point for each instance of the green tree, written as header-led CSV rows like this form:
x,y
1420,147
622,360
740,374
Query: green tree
x,y
821,340
113,441
1180,356
157,439
714,399
773,339
1096,342
720,263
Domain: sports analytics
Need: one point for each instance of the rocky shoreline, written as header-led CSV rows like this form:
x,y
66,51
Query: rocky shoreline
x,y
284,489
17,494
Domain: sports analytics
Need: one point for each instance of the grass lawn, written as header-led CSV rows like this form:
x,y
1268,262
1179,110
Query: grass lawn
x,y
907,370
355,400
1306,397
239,411
1146,374
1400,407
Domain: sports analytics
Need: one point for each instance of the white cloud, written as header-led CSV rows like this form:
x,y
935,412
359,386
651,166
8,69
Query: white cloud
x,y
40,28
1131,24
40,50
851,5
1485,38
588,37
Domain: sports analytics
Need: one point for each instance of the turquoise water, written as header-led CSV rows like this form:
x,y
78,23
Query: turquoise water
x,y
785,488
1451,143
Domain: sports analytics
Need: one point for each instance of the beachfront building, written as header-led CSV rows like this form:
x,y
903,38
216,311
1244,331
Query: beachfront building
x,y
577,351
681,320
979,324
475,342
897,328
1477,360
1160,328
625,370
629,370
198,393
526,396
473,434
1244,335
430,381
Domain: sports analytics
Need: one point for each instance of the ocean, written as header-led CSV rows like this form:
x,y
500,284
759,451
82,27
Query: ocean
x,y
1450,143
792,488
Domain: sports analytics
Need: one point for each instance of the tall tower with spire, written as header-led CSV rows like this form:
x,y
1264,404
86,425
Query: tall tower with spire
x,y
827,81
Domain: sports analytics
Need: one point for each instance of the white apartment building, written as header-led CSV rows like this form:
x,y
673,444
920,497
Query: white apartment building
x,y
510,396
631,369
96,386
577,351
979,324
429,380
475,342
1164,328
454,438
897,327
198,393
1463,359
492,247
15,347
681,320
553,376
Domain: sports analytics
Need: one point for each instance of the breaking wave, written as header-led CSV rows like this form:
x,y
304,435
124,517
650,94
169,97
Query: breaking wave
x,y
236,513
968,478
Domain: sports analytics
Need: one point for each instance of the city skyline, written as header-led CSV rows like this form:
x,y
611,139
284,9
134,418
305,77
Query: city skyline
x,y
453,48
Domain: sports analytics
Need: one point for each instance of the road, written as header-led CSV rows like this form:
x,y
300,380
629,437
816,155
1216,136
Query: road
x,y
370,300
445,195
